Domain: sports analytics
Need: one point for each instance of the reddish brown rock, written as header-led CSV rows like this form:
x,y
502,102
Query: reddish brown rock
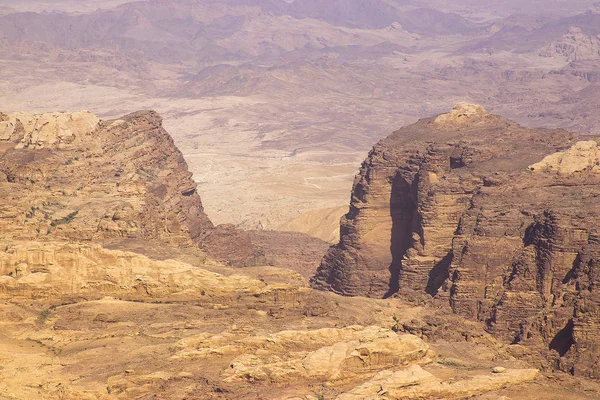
x,y
291,250
71,176
450,207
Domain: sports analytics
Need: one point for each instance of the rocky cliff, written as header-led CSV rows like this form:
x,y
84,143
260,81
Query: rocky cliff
x,y
106,295
72,176
498,220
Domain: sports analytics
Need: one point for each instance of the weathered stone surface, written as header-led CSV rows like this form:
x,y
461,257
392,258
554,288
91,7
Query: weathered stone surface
x,y
60,270
7,128
347,354
461,114
56,129
74,177
416,383
498,219
582,156
411,192
71,176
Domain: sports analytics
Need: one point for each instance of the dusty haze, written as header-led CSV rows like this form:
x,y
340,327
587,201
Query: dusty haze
x,y
274,104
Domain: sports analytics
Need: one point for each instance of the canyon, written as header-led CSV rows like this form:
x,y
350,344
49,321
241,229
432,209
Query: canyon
x,y
111,289
190,237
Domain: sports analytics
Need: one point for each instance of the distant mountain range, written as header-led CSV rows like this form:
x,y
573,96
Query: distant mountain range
x,y
306,80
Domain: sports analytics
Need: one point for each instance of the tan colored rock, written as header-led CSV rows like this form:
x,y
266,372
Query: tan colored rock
x,y
374,349
582,156
33,269
7,128
279,342
461,113
57,128
416,383
323,224
75,178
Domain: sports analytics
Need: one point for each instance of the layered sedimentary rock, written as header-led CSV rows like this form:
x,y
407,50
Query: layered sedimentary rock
x,y
37,270
72,176
499,220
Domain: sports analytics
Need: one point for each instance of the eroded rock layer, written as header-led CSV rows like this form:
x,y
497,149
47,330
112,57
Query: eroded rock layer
x,y
500,220
72,176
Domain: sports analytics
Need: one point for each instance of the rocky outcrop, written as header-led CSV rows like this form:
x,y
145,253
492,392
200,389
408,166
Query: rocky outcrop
x,y
53,130
461,114
72,176
353,352
574,46
416,383
582,156
34,270
499,220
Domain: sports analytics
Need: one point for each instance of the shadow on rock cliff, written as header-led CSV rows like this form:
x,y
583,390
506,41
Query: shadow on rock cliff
x,y
403,210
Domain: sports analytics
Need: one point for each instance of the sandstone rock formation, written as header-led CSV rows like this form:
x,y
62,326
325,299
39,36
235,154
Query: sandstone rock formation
x,y
50,130
346,356
461,114
415,383
582,156
106,294
73,271
499,220
71,176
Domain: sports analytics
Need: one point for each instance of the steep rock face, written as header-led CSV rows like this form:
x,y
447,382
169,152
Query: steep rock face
x,y
72,176
410,194
499,220
524,261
